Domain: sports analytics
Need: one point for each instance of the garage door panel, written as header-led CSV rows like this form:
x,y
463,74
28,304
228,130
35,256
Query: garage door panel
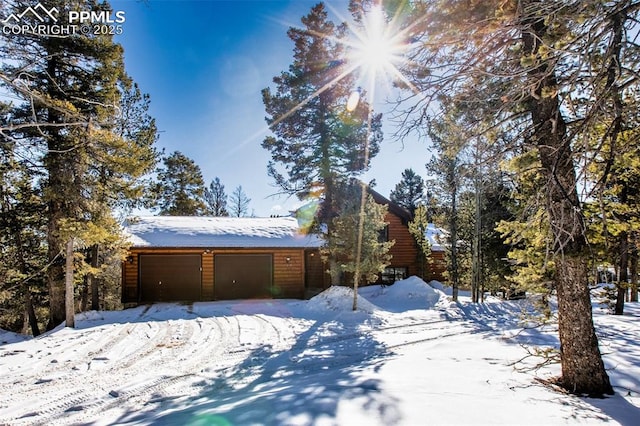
x,y
243,276
170,278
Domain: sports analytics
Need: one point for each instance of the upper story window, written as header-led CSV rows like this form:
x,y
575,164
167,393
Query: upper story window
x,y
383,236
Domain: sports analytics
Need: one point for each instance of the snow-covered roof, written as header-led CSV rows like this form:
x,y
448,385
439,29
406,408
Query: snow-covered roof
x,y
437,237
201,231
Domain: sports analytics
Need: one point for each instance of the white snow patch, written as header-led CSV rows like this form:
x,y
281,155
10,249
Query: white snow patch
x,y
201,231
9,337
339,298
437,237
414,288
408,294
403,358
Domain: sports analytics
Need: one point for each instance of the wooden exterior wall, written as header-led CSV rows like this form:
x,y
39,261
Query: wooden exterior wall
x,y
405,250
288,270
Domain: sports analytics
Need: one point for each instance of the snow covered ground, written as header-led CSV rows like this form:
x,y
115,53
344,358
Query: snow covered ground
x,y
408,356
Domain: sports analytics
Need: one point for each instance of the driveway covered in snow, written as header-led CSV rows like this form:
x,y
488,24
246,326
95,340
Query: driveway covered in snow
x,y
408,356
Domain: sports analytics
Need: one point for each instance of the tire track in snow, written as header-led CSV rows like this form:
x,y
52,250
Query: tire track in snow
x,y
73,394
60,377
54,367
230,350
305,361
216,341
205,348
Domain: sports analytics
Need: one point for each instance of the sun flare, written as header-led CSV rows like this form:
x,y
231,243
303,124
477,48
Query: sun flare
x,y
377,49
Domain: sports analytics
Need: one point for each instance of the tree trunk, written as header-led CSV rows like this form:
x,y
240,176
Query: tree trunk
x,y
29,310
58,183
92,281
356,275
621,285
84,294
31,313
633,268
582,367
453,225
68,280
476,264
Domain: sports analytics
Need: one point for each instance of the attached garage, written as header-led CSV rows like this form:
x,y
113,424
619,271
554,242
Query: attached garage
x,y
216,258
170,277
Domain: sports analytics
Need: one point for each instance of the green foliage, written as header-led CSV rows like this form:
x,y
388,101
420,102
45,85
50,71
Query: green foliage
x,y
82,127
528,233
495,209
216,198
530,253
418,230
409,192
22,255
180,187
342,243
318,142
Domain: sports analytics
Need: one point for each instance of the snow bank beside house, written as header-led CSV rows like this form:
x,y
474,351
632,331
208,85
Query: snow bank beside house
x,y
339,298
408,294
415,288
437,285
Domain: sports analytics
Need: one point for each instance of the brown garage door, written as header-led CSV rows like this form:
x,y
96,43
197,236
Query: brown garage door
x,y
242,276
170,278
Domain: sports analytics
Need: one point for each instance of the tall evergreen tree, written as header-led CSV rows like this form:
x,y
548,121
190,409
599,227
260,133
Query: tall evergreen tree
x,y
550,73
216,198
180,187
447,166
418,230
355,236
409,192
318,141
63,122
22,265
239,202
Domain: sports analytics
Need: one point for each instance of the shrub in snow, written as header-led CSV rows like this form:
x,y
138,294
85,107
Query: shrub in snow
x,y
605,294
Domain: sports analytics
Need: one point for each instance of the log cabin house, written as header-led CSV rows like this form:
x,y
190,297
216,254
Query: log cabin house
x,y
176,258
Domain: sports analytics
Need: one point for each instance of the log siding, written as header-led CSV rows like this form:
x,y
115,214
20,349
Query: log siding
x,y
288,270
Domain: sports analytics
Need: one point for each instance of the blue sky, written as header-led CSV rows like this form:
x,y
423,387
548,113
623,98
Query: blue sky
x,y
204,64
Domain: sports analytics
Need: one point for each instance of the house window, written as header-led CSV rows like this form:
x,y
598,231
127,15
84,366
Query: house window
x,y
383,235
393,274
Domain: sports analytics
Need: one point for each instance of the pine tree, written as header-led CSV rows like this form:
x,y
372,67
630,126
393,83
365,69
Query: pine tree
x,y
216,198
68,99
447,166
418,230
409,192
355,237
318,141
22,265
180,187
239,202
551,74
136,153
